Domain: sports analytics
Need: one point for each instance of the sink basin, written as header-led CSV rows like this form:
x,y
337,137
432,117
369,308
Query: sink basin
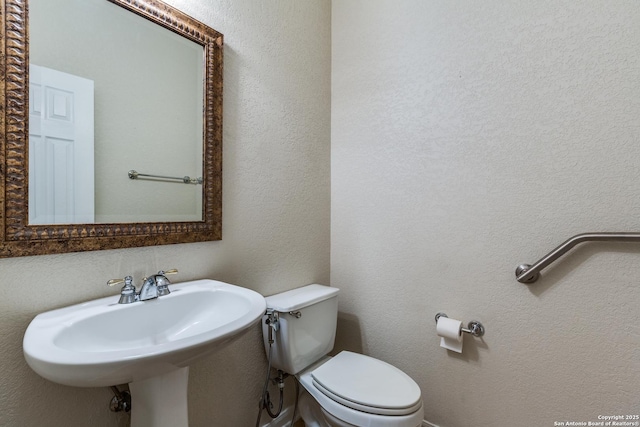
x,y
103,343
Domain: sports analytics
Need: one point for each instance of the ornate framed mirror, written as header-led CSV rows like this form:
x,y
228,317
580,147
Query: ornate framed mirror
x,y
143,104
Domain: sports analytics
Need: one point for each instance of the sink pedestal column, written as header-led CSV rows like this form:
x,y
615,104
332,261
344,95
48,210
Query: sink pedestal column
x,y
160,401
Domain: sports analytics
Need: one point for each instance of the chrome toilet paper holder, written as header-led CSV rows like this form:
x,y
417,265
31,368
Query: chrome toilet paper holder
x,y
474,327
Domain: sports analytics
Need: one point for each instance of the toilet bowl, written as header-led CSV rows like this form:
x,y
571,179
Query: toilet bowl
x,y
352,389
347,390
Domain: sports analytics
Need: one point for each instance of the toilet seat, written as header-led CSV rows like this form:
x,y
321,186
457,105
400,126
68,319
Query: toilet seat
x,y
366,384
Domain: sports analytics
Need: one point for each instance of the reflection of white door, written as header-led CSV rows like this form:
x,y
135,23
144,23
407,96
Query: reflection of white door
x,y
60,147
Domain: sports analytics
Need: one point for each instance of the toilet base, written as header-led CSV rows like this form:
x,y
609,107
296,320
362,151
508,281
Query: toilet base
x,y
314,416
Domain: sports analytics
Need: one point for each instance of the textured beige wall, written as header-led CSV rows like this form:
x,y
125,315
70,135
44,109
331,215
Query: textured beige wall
x,y
467,138
275,220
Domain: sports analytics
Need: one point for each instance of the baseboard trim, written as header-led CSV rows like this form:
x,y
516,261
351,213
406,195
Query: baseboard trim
x,y
284,419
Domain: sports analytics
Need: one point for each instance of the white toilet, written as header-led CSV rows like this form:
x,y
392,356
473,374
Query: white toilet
x,y
346,390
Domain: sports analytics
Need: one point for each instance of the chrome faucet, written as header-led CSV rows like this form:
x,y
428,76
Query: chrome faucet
x,y
152,287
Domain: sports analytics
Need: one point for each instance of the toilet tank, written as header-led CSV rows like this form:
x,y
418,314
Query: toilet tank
x,y
306,331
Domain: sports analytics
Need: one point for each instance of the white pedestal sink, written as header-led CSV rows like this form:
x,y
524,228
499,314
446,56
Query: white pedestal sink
x,y
148,344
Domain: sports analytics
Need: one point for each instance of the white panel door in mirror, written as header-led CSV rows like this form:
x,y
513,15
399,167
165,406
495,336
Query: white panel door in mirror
x,y
61,140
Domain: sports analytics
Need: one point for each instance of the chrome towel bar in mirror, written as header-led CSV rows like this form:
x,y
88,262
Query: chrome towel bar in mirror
x,y
185,179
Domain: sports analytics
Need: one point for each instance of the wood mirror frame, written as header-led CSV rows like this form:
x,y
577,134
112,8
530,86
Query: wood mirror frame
x,y
17,237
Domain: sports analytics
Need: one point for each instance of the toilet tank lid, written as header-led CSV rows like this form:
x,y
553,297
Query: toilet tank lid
x,y
298,298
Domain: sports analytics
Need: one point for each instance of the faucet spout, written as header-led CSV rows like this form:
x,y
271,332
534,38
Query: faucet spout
x,y
156,286
149,289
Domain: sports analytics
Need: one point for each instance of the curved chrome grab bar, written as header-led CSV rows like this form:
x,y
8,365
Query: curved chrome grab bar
x,y
526,273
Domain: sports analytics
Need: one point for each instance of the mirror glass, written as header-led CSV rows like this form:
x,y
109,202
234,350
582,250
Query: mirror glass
x,y
111,92
92,90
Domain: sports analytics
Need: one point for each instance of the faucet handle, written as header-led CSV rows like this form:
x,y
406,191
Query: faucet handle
x,y
162,281
128,291
128,281
114,282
